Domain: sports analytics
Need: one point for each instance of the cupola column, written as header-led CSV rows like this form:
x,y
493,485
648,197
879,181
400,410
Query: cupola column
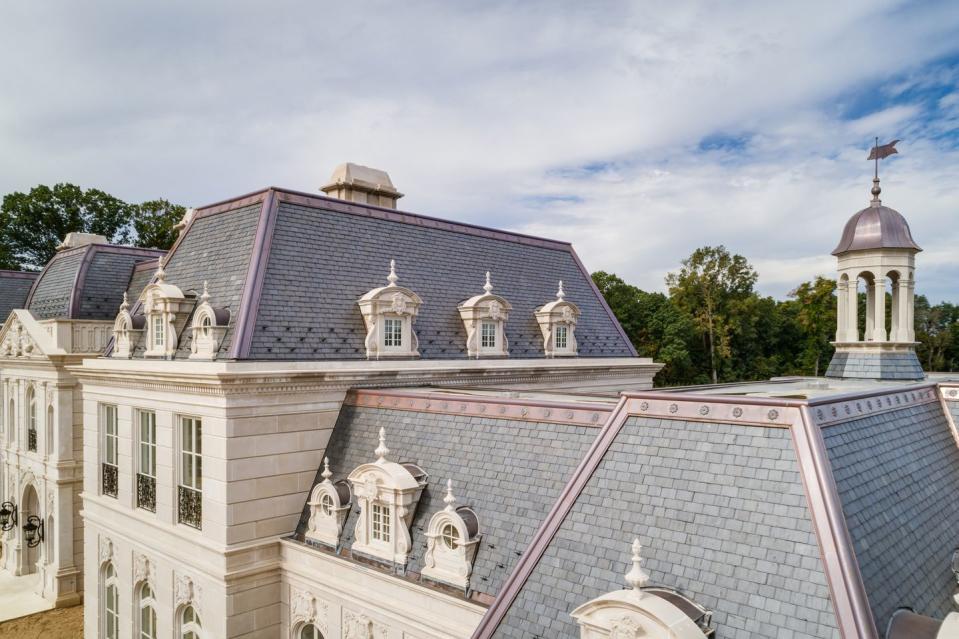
x,y
879,310
852,311
841,304
911,310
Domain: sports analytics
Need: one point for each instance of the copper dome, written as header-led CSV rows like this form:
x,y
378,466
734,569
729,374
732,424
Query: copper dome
x,y
875,227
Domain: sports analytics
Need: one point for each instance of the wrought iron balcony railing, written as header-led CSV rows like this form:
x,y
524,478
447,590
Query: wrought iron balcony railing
x,y
146,492
108,479
189,506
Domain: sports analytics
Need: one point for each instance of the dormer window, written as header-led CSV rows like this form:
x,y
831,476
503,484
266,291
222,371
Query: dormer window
x,y
453,537
126,331
484,317
330,503
557,322
209,327
166,309
387,494
159,332
389,313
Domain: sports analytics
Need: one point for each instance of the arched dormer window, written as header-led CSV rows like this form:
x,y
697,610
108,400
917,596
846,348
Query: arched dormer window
x,y
389,313
557,322
329,505
126,331
641,612
484,317
387,493
209,327
165,307
453,537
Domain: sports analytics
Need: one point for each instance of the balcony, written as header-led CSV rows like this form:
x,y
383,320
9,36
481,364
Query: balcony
x,y
189,506
32,440
146,492
108,485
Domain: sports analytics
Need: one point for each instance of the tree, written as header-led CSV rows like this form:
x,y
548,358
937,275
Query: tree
x,y
153,223
35,223
706,287
816,315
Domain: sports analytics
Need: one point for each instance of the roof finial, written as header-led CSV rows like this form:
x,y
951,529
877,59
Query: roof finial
x,y
382,451
206,294
488,287
160,274
637,577
449,500
560,294
125,305
392,278
326,474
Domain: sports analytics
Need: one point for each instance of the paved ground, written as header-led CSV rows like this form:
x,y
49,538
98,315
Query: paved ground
x,y
17,597
63,623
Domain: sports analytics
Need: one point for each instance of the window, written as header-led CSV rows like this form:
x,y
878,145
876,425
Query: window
x,y
148,616
310,631
109,453
205,326
111,603
190,627
147,460
31,420
191,472
159,334
451,536
381,522
48,443
562,336
488,335
326,504
393,332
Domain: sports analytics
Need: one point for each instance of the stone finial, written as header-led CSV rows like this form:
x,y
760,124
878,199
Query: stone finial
x,y
449,500
326,474
160,274
205,297
637,577
876,190
125,305
392,277
488,287
560,294
382,451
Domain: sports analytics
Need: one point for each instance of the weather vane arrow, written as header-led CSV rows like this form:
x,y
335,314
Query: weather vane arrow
x,y
880,153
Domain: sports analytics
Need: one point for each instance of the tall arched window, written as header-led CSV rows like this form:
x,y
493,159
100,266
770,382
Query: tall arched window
x,y
190,627
31,420
309,631
48,443
147,620
110,604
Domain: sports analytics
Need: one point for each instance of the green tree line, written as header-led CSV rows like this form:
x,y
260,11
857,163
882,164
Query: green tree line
x,y
32,224
713,327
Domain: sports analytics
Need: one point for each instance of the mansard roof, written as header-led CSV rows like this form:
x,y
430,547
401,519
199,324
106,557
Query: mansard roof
x,y
508,467
86,282
290,267
14,288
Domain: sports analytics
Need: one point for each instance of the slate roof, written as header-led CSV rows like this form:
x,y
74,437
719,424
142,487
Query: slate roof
x,y
291,266
14,289
897,474
140,277
722,516
86,282
508,471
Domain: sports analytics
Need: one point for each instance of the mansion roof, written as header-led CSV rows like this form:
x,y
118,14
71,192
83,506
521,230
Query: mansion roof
x,y
14,288
290,267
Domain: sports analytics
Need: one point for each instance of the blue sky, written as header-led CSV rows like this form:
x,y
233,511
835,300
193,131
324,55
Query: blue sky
x,y
635,130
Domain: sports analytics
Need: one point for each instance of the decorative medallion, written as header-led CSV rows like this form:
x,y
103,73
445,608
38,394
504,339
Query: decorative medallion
x,y
547,413
819,414
772,415
953,393
482,408
141,568
644,406
502,410
524,412
704,410
569,414
737,412
673,408
594,417
106,549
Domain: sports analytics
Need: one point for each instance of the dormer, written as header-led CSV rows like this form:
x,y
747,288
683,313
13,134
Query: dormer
x,y
126,331
387,493
163,305
639,612
389,313
484,317
208,328
453,537
330,503
557,322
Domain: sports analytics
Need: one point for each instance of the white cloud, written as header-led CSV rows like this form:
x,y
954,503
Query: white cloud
x,y
488,113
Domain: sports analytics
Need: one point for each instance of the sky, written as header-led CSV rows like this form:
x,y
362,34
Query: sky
x,y
639,131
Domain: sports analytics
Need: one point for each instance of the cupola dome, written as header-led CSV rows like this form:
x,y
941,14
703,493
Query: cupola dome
x,y
876,227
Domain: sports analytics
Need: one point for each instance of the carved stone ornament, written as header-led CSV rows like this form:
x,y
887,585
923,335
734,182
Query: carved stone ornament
x,y
17,342
302,606
359,626
626,628
141,568
106,549
185,591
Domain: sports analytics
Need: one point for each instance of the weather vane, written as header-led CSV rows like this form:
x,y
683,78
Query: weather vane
x,y
880,153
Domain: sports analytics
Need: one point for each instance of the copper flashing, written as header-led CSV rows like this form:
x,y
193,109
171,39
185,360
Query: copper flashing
x,y
253,284
92,250
25,275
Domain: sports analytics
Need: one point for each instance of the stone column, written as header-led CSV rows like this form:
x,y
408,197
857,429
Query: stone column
x,y
852,311
900,310
910,328
869,334
879,311
841,303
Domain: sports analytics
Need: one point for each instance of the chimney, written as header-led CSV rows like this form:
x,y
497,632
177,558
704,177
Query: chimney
x,y
74,240
356,183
